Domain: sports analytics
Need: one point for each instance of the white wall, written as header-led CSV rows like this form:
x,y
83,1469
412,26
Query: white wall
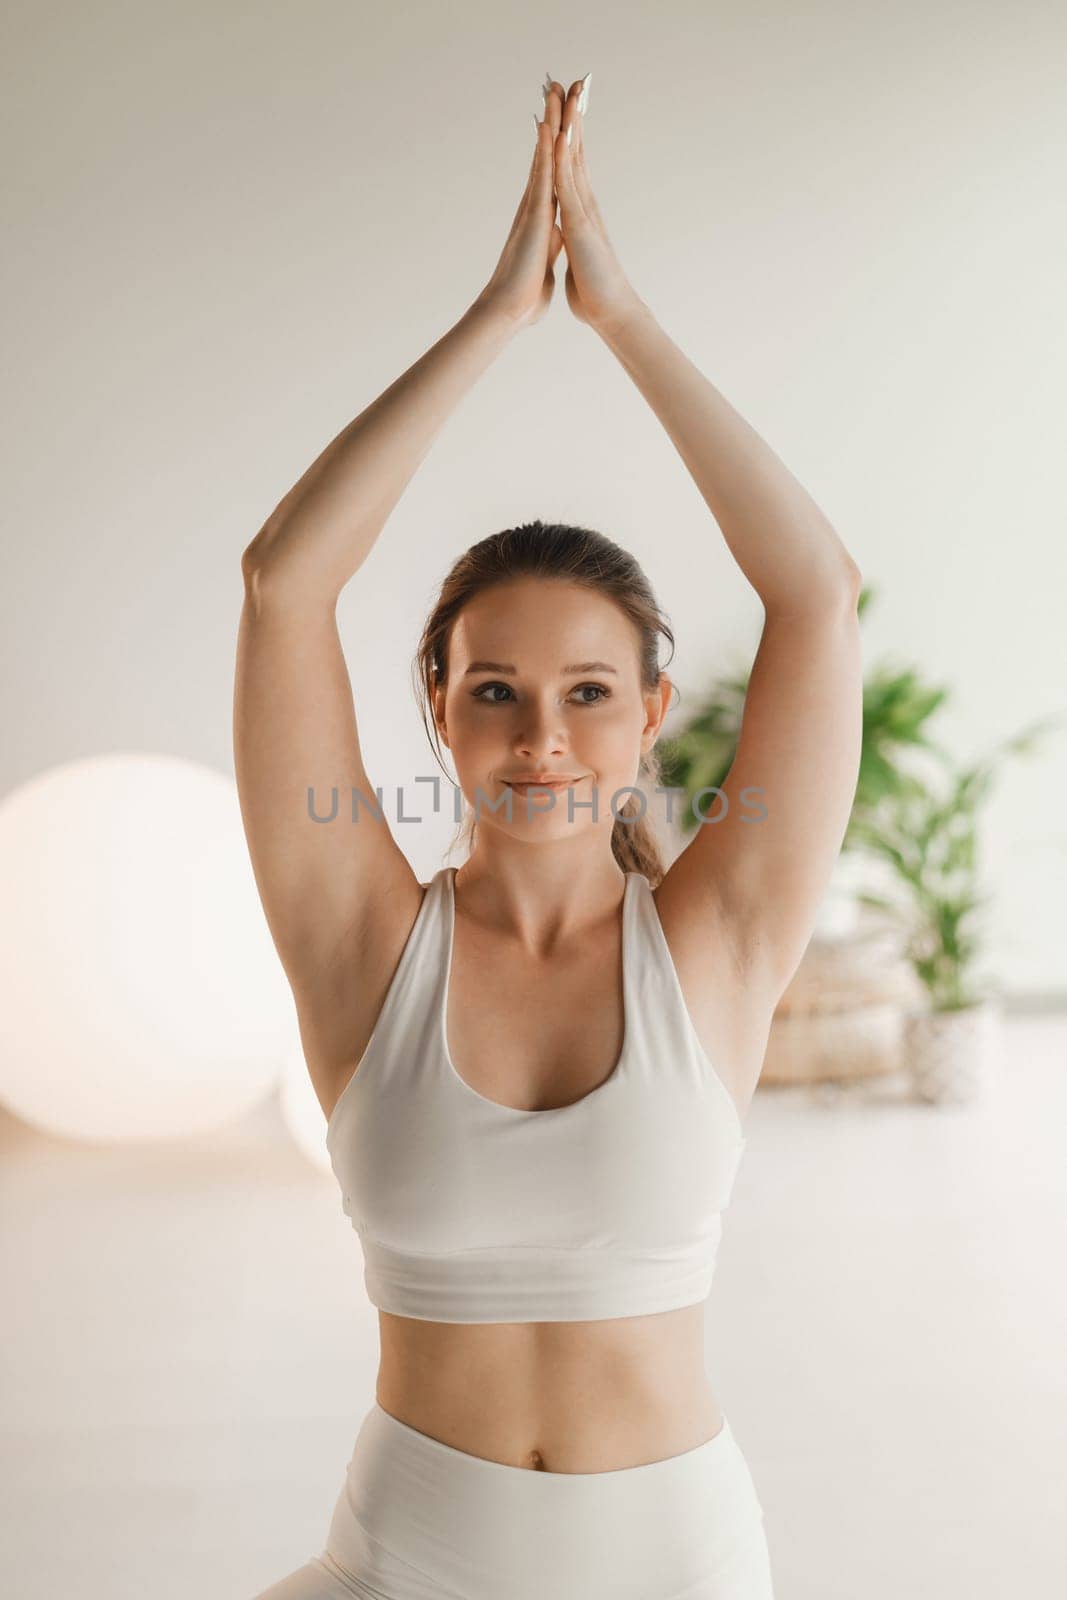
x,y
229,227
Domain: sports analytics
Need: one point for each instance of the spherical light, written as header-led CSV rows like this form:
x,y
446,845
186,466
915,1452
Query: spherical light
x,y
142,994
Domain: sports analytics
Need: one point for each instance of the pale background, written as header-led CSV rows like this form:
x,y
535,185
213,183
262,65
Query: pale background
x,y
228,228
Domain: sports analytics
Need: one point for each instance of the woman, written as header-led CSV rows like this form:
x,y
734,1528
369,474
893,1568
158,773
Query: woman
x,y
535,1068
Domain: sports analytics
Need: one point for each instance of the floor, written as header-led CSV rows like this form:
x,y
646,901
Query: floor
x,y
189,1351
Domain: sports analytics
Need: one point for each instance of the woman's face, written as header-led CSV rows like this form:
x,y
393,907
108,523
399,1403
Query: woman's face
x,y
544,679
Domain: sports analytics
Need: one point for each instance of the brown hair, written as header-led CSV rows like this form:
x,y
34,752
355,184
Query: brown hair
x,y
575,555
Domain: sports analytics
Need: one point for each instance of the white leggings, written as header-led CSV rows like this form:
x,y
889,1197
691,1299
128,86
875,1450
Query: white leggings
x,y
417,1519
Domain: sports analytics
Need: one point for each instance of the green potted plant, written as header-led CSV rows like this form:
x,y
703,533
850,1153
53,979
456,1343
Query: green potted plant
x,y
926,831
902,829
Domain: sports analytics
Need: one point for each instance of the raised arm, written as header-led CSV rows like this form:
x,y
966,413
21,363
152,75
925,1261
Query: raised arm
x,y
754,882
334,892
324,885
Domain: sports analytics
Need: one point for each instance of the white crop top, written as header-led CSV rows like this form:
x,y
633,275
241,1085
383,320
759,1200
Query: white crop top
x,y
470,1211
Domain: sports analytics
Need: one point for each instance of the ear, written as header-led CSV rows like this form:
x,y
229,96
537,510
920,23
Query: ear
x,y
439,716
657,704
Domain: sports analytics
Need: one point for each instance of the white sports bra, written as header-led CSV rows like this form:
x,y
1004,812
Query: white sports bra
x,y
470,1211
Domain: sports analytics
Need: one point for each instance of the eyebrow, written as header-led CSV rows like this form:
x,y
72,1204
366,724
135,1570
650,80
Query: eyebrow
x,y
503,666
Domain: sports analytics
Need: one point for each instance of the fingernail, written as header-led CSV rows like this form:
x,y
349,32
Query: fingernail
x,y
546,87
583,98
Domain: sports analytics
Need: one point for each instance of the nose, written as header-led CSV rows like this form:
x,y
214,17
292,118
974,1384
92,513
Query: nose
x,y
540,735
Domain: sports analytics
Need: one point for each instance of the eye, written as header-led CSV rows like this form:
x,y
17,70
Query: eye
x,y
479,693
603,693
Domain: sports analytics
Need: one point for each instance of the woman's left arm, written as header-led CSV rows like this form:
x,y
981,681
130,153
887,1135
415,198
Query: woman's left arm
x,y
751,883
755,872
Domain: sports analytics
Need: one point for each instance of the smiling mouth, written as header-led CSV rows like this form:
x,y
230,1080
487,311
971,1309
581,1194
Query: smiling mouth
x,y
558,783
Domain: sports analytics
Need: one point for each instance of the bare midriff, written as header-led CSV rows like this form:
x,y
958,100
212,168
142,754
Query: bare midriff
x,y
553,1396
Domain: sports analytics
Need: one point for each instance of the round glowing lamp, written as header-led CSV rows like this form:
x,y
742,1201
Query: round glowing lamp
x,y
142,994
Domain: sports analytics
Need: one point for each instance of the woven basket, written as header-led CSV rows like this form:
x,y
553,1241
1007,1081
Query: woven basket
x,y
834,1046
842,1015
865,968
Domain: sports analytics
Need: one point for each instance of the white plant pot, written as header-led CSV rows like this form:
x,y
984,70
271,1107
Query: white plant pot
x,y
949,1054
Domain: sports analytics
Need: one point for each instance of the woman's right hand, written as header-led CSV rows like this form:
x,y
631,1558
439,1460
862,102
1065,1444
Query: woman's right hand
x,y
524,280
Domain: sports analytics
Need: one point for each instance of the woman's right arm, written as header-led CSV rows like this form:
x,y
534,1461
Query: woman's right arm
x,y
332,891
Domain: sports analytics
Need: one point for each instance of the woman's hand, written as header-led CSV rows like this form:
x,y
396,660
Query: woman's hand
x,y
524,280
598,290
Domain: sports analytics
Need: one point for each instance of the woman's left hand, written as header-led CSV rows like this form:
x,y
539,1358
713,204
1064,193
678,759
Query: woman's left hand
x,y
598,290
524,278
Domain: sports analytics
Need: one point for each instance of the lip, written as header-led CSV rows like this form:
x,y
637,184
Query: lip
x,y
540,783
